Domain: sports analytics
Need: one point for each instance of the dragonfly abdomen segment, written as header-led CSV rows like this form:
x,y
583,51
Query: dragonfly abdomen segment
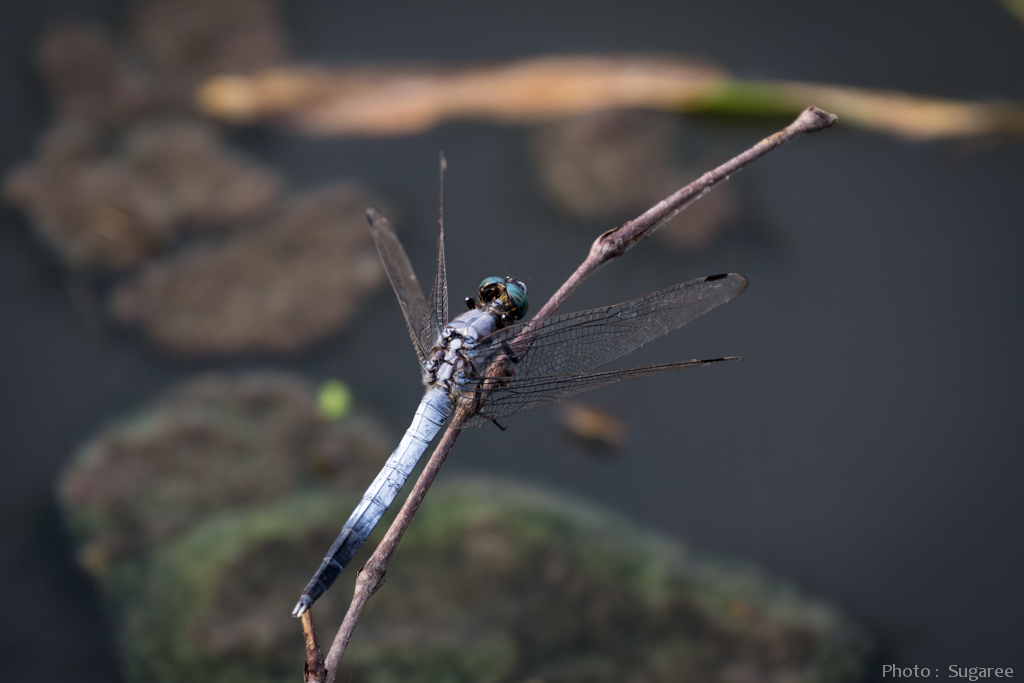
x,y
431,414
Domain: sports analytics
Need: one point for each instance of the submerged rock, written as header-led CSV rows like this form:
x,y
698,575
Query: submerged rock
x,y
103,194
116,209
493,582
614,165
215,605
276,288
115,80
187,40
91,210
503,582
211,510
212,444
89,77
205,183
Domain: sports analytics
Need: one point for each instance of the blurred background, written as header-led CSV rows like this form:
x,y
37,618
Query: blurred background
x,y
867,451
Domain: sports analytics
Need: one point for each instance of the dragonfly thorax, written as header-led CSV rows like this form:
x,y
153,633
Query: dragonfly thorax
x,y
453,357
502,302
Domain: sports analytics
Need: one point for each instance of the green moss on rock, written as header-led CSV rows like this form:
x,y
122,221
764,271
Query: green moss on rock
x,y
212,444
494,582
203,518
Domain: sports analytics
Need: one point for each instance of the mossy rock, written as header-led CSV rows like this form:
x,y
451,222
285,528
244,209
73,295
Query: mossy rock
x,y
203,517
212,444
494,582
215,604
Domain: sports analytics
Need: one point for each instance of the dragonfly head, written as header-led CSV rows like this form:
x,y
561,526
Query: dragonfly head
x,y
509,291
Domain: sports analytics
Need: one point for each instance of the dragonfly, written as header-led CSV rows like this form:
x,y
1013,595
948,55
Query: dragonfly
x,y
488,363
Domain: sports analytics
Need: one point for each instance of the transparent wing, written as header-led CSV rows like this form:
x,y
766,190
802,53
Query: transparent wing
x,y
436,315
494,397
403,280
542,361
586,340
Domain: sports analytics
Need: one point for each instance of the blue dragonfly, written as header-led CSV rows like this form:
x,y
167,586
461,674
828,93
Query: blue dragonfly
x,y
488,363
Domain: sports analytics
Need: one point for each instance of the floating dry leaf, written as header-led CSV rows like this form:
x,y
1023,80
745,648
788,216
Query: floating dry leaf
x,y
592,428
276,288
396,100
400,100
116,210
915,117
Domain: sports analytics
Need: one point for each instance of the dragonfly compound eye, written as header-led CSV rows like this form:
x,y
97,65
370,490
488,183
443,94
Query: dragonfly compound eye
x,y
491,288
517,293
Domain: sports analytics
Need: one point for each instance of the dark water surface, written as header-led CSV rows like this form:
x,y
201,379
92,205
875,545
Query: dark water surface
x,y
869,449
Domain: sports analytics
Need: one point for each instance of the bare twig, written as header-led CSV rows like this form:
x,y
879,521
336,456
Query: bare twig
x,y
615,242
610,245
314,671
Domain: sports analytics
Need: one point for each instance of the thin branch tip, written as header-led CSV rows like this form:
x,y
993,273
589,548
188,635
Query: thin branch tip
x,y
813,119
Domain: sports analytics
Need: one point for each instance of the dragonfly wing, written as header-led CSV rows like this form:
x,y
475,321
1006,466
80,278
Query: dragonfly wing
x,y
586,340
489,398
403,280
435,317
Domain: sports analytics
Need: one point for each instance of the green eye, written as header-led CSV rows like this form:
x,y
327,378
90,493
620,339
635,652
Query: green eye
x,y
491,288
493,280
510,290
518,296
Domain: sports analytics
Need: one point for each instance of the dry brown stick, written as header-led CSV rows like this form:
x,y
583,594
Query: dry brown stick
x,y
314,671
615,242
609,245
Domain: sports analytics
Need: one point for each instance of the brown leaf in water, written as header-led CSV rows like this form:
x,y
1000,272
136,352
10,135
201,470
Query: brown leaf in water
x,y
395,100
401,100
915,117
594,429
